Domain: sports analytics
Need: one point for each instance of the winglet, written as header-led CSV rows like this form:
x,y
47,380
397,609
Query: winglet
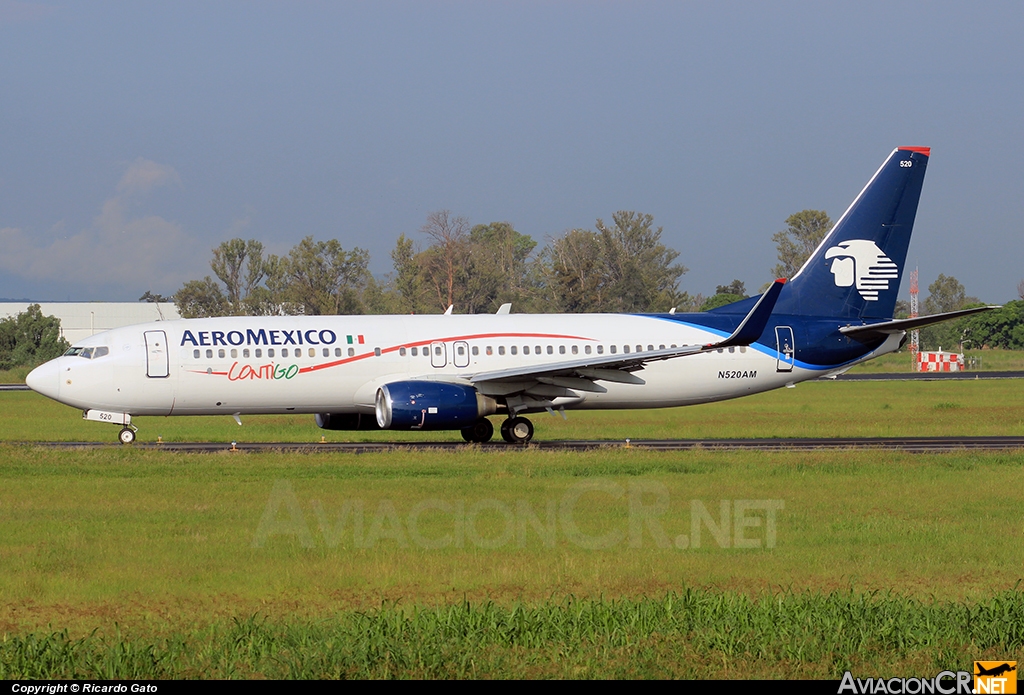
x,y
753,324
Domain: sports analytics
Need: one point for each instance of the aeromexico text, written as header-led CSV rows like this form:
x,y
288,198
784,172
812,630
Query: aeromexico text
x,y
260,337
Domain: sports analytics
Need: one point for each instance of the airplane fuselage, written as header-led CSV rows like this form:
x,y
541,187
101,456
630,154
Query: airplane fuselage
x,y
320,364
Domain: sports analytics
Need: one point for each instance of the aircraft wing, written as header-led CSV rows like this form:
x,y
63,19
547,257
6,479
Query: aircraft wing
x,y
880,330
581,373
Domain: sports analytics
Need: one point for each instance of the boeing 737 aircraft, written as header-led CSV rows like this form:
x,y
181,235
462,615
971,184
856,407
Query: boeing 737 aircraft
x,y
453,371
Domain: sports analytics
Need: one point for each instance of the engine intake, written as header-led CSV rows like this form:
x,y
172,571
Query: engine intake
x,y
430,405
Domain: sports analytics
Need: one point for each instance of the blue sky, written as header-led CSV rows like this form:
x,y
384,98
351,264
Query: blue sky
x,y
134,137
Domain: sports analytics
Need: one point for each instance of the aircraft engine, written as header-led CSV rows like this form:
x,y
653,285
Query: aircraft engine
x,y
346,421
430,405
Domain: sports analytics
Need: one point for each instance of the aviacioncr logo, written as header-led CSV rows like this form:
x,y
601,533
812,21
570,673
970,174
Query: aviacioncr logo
x,y
860,262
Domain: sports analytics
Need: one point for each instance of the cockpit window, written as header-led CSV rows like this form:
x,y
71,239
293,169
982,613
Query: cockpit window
x,y
88,353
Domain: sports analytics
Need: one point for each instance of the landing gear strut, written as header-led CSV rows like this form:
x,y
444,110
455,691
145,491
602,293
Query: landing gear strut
x,y
126,436
517,430
479,432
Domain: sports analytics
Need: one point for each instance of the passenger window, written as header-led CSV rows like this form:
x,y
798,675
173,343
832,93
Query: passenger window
x,y
490,350
401,352
259,352
561,349
234,353
209,354
245,352
639,348
650,347
461,350
600,349
415,352
195,354
476,351
661,347
437,350
526,349
220,353
575,349
586,349
351,352
501,349
376,352
536,349
284,352
327,352
312,352
513,349
337,352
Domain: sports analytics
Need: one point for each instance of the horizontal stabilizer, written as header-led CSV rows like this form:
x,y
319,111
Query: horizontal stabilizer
x,y
876,330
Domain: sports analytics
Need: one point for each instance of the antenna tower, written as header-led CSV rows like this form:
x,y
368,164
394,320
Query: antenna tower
x,y
915,336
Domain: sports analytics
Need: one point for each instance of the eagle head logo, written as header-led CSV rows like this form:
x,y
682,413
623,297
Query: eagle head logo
x,y
859,262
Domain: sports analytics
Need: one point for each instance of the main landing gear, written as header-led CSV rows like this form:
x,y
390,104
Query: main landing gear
x,y
127,435
517,430
514,430
479,432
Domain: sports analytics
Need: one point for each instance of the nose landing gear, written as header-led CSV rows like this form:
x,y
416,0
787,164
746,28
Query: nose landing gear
x,y
126,435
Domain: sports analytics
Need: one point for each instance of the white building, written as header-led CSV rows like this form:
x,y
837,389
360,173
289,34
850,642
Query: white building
x,y
81,319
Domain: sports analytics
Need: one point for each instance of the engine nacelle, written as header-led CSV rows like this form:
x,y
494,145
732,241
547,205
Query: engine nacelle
x,y
430,405
346,421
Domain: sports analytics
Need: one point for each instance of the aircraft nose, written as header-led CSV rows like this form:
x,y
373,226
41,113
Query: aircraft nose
x,y
45,379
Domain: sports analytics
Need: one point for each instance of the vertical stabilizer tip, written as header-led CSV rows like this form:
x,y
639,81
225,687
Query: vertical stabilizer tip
x,y
926,151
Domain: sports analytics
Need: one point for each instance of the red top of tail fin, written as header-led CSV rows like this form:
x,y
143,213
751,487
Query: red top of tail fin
x,y
926,151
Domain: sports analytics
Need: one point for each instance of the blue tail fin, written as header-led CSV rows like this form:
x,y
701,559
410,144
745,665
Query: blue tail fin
x,y
856,270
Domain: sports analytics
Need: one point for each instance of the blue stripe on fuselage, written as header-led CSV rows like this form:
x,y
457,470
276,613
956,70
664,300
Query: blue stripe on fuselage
x,y
819,344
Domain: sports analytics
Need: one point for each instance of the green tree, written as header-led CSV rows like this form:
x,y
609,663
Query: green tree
x,y
499,268
641,271
154,298
320,277
804,231
622,267
944,295
30,338
575,277
240,266
720,299
999,328
201,298
735,287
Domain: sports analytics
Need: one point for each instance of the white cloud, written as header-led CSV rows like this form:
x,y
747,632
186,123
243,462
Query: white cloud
x,y
134,252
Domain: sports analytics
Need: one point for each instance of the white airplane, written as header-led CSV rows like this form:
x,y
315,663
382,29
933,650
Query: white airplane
x,y
453,371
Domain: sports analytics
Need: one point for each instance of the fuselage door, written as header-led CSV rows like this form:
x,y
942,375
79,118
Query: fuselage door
x,y
438,354
156,355
786,348
460,353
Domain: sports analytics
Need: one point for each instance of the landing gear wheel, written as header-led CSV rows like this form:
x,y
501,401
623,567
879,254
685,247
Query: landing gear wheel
x,y
517,430
126,436
479,432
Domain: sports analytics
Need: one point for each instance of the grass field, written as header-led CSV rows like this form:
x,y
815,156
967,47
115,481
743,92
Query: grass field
x,y
620,562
